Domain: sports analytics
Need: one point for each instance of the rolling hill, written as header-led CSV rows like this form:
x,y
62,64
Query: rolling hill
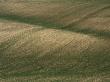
x,y
55,41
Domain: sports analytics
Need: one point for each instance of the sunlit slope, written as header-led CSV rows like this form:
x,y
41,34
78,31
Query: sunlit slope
x,y
30,49
53,41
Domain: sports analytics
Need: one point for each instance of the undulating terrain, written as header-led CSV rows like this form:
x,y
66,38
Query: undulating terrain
x,y
54,40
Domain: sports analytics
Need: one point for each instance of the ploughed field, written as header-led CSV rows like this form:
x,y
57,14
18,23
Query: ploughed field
x,y
55,41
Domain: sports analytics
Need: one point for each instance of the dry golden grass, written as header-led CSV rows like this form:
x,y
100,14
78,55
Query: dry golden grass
x,y
33,49
36,38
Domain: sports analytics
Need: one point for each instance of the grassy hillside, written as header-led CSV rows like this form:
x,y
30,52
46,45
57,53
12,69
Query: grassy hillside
x,y
55,41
